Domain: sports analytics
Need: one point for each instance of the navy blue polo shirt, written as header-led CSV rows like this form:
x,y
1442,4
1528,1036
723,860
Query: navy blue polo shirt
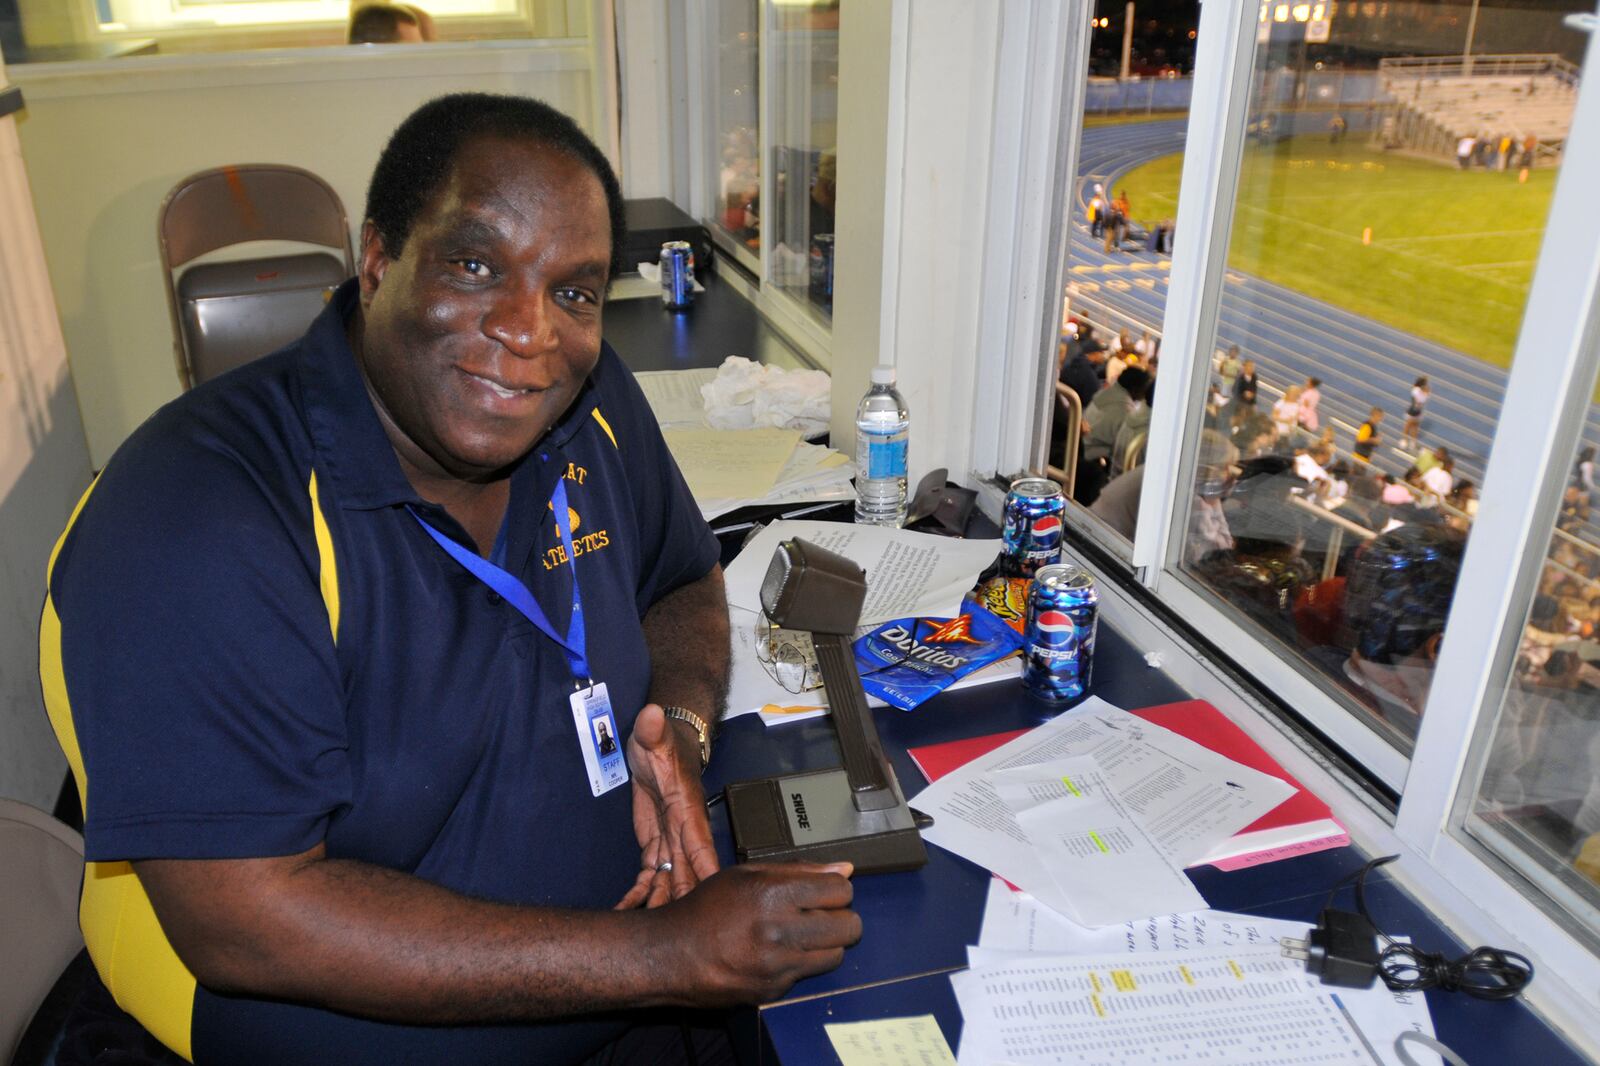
x,y
250,646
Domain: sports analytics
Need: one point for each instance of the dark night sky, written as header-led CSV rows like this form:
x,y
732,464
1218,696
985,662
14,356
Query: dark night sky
x,y
1161,31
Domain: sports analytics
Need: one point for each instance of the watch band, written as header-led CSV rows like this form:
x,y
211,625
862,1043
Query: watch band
x,y
701,728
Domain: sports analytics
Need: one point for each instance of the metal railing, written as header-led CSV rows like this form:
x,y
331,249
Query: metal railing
x,y
1495,66
1067,474
1107,321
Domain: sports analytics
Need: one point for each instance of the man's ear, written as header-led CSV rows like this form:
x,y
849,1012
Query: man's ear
x,y
371,263
1430,647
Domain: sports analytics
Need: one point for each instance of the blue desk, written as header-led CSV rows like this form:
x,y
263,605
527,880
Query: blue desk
x,y
916,926
719,324
1486,1034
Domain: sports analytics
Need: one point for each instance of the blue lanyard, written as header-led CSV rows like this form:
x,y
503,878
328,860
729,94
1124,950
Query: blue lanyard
x,y
516,593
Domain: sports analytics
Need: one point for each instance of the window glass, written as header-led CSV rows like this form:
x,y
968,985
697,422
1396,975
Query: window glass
x,y
113,29
1389,212
735,116
803,77
1122,206
1535,798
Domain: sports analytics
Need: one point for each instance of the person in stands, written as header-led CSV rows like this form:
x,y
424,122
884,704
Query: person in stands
x,y
1418,400
1367,437
1310,398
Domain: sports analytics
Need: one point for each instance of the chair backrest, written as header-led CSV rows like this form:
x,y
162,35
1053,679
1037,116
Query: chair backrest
x,y
231,205
41,871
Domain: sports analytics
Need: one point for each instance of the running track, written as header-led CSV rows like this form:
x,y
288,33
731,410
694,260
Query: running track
x,y
1362,363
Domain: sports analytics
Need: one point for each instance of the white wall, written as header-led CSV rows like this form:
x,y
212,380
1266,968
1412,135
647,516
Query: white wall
x,y
646,91
103,144
44,466
929,69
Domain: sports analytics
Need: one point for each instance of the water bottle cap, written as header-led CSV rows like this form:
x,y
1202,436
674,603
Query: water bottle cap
x,y
883,375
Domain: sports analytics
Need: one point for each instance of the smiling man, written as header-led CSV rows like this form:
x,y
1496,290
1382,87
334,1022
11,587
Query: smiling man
x,y
341,647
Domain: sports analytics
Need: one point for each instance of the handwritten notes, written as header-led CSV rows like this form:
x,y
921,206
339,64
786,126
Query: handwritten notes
x,y
891,1042
731,463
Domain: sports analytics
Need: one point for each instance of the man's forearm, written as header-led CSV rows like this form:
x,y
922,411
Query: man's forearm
x,y
687,633
365,940
378,943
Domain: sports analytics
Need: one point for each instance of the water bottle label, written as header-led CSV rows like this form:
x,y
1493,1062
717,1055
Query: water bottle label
x,y
886,459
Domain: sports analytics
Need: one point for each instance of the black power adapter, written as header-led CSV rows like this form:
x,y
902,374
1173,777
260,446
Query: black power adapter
x,y
1342,949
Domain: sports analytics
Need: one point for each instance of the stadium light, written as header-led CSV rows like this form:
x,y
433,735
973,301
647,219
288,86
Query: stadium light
x,y
1302,12
1280,13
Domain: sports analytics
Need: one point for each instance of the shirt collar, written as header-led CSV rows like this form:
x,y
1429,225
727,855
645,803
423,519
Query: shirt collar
x,y
353,451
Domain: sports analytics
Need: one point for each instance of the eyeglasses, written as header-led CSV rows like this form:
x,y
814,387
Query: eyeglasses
x,y
787,655
790,659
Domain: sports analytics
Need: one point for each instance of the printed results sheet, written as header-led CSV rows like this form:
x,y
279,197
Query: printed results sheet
x,y
1239,1008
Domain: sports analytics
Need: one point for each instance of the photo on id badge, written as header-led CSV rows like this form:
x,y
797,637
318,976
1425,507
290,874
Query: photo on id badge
x,y
597,737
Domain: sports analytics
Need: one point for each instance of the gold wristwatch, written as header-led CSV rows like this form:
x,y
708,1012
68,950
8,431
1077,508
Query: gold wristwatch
x,y
701,727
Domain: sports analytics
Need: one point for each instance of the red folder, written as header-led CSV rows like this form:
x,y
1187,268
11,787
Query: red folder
x,y
1299,825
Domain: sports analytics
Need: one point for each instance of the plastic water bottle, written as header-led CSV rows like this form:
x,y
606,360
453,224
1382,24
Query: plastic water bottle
x,y
882,426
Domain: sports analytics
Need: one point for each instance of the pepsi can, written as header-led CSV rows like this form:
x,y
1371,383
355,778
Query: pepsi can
x,y
1033,526
1058,640
677,275
822,267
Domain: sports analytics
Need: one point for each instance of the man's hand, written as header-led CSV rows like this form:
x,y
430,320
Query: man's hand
x,y
748,933
669,811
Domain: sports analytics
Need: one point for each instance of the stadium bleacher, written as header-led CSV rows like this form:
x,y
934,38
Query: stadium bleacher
x,y
1440,101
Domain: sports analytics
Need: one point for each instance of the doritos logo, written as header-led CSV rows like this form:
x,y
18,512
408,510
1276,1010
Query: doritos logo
x,y
955,631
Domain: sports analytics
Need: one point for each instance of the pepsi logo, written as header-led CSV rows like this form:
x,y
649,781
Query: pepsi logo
x,y
1054,622
1047,526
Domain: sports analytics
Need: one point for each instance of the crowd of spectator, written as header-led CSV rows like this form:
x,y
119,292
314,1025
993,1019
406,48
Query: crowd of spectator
x,y
1272,484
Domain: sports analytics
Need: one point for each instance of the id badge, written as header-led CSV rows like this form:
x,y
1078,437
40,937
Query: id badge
x,y
598,739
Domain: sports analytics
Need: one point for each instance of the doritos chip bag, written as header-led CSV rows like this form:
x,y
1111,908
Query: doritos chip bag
x,y
905,661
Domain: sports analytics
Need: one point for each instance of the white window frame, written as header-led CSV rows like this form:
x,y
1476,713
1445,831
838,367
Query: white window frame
x,y
703,147
792,316
797,322
1476,894
1522,487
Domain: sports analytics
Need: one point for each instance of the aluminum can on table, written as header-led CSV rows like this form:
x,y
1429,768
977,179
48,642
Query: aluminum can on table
x,y
1033,526
1058,640
677,275
822,267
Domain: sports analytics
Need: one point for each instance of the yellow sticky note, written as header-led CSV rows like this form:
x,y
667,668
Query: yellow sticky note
x,y
737,464
891,1042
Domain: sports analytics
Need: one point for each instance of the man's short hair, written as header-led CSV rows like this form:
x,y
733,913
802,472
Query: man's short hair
x,y
1134,382
379,23
416,162
1399,588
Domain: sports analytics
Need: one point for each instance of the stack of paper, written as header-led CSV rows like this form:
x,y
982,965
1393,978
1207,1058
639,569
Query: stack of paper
x,y
908,574
811,474
1156,1007
1125,805
1299,825
1017,928
729,469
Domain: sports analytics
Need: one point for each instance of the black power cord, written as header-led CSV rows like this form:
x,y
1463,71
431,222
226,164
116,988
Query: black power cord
x,y
1343,949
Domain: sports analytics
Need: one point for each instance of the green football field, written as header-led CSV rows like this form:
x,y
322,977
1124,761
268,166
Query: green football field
x,y
1451,252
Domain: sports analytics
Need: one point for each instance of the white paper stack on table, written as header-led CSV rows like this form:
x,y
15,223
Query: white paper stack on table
x,y
1018,929
747,446
1097,812
908,574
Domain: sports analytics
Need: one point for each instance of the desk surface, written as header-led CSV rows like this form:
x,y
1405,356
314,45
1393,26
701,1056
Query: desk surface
x,y
719,324
916,926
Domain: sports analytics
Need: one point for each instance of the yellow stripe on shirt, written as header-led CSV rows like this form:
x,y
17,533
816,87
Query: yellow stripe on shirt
x,y
125,940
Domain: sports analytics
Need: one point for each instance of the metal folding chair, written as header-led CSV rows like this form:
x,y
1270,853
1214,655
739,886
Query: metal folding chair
x,y
41,867
225,314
